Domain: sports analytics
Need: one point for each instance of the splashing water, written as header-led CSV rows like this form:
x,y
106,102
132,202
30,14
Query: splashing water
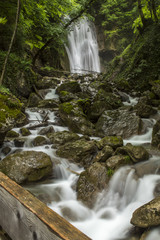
x,y
82,48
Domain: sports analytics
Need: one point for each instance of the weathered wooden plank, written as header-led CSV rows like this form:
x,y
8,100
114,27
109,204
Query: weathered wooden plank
x,y
25,217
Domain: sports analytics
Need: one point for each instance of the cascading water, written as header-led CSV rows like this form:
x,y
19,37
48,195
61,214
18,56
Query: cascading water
x,y
110,217
82,48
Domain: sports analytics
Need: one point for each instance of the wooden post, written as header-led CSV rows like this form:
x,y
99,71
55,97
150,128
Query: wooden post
x,y
25,217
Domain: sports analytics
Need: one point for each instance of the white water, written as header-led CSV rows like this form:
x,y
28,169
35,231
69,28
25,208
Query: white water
x,y
82,48
110,217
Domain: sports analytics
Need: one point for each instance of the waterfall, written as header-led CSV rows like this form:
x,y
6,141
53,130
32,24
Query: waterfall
x,y
82,48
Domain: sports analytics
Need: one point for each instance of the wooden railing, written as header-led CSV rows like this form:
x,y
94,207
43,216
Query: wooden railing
x,y
24,217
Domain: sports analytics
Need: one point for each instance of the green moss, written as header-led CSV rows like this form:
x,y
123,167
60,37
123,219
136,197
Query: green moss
x,y
12,134
110,172
66,107
127,159
64,93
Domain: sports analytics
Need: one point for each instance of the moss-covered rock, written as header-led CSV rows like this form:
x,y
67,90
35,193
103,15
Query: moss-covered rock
x,y
47,82
69,86
46,130
72,114
12,134
39,141
156,134
65,96
104,154
10,113
80,151
33,100
136,153
26,166
60,138
48,103
90,183
25,132
112,141
117,161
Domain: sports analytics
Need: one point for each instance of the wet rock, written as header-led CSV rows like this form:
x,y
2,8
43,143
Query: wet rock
x,y
6,150
136,153
119,122
39,141
80,151
147,215
156,88
33,100
156,134
157,190
65,96
12,134
71,86
26,166
104,154
148,167
117,161
25,132
60,138
143,109
72,114
90,183
49,103
47,82
46,130
19,142
112,141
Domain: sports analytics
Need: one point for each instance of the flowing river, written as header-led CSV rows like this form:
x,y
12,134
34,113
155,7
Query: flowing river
x,y
110,217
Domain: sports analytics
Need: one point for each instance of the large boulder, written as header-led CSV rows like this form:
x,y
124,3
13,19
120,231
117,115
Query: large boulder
x,y
48,103
72,114
147,215
143,108
117,161
47,82
27,166
119,122
136,153
104,154
80,151
90,183
11,114
65,96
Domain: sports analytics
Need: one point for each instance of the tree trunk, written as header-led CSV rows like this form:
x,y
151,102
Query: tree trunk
x,y
11,42
141,12
154,11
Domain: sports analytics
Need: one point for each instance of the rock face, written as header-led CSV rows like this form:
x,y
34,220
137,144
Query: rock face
x,y
27,166
80,151
90,182
119,122
148,215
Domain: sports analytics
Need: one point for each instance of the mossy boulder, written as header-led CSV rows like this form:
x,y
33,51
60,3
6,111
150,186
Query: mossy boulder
x,y
12,134
90,183
121,122
47,82
11,113
33,100
117,161
25,132
60,138
136,153
112,141
104,154
80,151
27,166
39,141
65,96
143,108
156,88
72,114
147,215
69,86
